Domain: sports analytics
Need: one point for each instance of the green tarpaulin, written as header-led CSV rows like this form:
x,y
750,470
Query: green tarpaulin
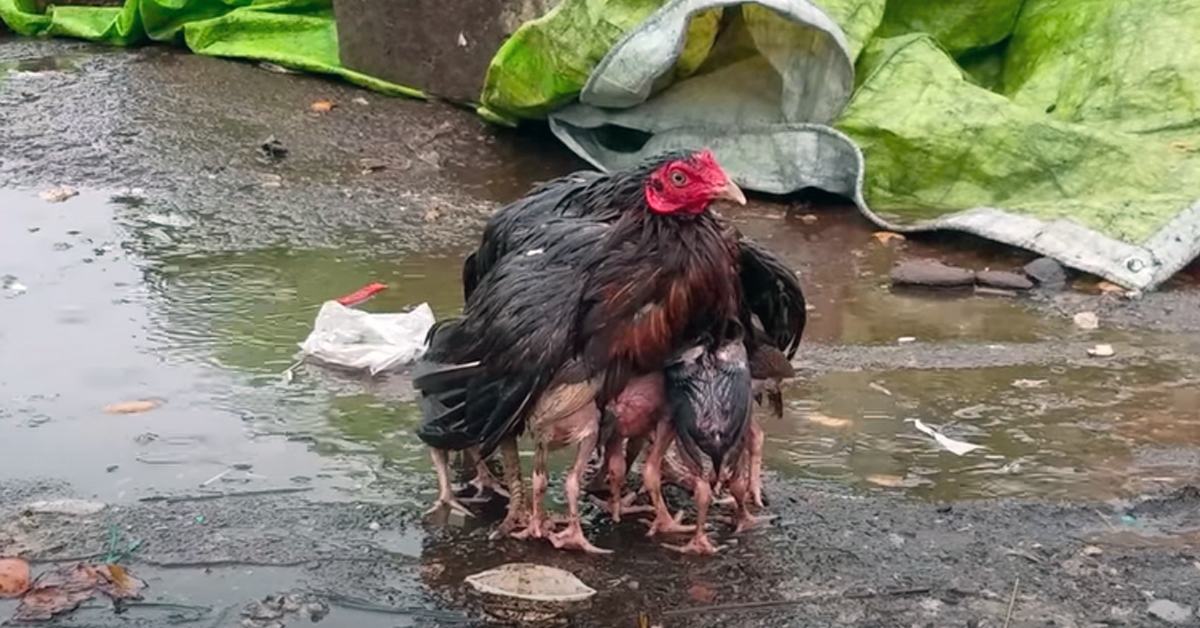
x,y
1068,127
299,34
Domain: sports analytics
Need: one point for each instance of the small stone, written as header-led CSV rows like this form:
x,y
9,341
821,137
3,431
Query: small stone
x,y
1102,351
373,526
1047,272
931,273
1092,550
1170,612
1087,320
1003,279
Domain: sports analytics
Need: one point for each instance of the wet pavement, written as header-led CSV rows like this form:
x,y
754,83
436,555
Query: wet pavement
x,y
190,265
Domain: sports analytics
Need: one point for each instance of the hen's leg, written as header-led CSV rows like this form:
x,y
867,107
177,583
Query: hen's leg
x,y
700,543
484,480
518,510
757,438
615,463
652,478
572,536
445,497
740,487
538,522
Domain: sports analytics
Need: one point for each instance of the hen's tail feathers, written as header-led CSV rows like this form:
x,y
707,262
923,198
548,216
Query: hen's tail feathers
x,y
774,295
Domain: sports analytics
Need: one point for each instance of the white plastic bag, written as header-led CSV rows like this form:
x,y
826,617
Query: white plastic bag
x,y
360,340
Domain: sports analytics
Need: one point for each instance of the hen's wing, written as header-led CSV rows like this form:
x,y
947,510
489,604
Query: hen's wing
x,y
771,291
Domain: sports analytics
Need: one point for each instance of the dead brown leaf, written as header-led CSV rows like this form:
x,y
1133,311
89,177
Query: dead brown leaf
x,y
829,421
136,406
322,106
64,589
885,237
14,577
702,593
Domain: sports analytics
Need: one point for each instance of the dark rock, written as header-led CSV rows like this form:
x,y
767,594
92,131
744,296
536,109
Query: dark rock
x,y
442,47
1047,272
1003,279
931,273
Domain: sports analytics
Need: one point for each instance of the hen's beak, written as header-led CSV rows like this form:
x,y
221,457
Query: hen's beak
x,y
731,192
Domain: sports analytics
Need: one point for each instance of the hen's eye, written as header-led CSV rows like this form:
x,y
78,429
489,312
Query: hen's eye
x,y
678,178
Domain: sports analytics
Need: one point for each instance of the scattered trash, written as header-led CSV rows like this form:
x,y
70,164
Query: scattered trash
x,y
931,273
1170,612
525,592
904,340
12,287
828,421
1003,279
136,406
272,148
71,507
322,106
361,101
1047,272
879,388
14,577
886,237
354,339
59,194
956,447
1087,320
362,294
986,291
1029,383
1102,351
1092,550
268,611
64,589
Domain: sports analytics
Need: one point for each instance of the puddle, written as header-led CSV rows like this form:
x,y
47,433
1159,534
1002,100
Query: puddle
x,y
121,302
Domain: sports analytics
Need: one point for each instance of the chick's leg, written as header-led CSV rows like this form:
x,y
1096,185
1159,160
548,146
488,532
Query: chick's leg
x,y
652,478
757,438
445,498
538,522
518,510
484,481
700,543
740,487
572,536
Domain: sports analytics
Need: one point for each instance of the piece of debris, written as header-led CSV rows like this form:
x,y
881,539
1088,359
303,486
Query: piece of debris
x,y
136,406
276,68
362,295
956,447
889,481
1102,351
64,589
361,101
702,593
267,612
272,148
809,219
879,388
322,106
71,507
369,165
987,291
374,526
906,340
1170,612
1047,272
828,421
1108,287
432,215
12,287
525,592
1087,320
1092,550
1003,279
931,273
59,194
1029,383
886,237
14,577
355,339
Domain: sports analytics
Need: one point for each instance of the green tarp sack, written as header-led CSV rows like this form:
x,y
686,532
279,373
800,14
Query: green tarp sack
x,y
299,34
1067,127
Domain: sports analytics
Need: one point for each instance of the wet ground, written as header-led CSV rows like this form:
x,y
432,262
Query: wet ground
x,y
190,265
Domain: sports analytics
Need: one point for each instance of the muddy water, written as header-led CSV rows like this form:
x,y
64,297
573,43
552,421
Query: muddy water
x,y
119,303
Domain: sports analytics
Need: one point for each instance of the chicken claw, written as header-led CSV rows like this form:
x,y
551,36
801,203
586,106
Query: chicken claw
x,y
700,545
448,502
747,521
572,538
665,524
445,496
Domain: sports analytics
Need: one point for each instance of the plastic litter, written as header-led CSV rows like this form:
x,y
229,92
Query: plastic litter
x,y
354,339
956,447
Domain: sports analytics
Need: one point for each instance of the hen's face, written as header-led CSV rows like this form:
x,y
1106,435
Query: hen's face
x,y
688,185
